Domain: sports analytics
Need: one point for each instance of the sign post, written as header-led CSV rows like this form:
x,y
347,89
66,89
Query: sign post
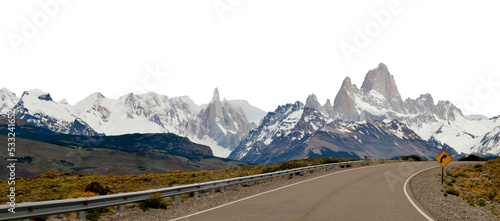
x,y
443,158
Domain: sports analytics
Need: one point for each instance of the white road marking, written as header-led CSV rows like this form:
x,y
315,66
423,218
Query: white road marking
x,y
408,196
293,184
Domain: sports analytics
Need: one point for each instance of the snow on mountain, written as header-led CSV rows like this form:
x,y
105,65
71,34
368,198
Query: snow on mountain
x,y
461,133
296,131
275,126
223,122
379,99
221,125
253,113
369,121
232,125
490,143
476,117
7,100
37,107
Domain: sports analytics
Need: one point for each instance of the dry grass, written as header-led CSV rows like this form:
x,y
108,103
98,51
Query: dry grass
x,y
478,184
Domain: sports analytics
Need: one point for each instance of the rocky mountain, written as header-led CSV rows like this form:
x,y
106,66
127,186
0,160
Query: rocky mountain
x,y
38,108
379,99
222,122
490,143
7,100
296,130
219,125
40,150
236,125
372,121
253,114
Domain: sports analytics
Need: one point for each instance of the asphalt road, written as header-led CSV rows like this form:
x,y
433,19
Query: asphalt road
x,y
364,193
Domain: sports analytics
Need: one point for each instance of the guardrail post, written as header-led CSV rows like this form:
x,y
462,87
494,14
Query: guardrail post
x,y
238,185
121,208
80,215
226,188
176,198
196,194
269,179
212,191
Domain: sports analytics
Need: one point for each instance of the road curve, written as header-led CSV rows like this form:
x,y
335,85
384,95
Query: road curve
x,y
364,193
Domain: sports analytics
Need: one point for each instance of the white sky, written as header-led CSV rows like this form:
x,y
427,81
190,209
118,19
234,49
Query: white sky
x,y
267,52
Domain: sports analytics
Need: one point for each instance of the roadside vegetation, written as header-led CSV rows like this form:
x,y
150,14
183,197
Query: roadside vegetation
x,y
64,185
478,184
412,157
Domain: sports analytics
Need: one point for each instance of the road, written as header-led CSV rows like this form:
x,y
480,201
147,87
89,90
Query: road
x,y
364,193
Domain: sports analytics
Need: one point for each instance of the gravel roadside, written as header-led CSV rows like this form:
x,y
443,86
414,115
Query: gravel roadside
x,y
426,188
191,205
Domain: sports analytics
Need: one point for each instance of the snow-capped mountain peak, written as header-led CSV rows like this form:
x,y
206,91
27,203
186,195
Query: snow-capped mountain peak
x,y
8,100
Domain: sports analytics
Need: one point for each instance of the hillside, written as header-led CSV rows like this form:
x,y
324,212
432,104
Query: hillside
x,y
131,143
38,157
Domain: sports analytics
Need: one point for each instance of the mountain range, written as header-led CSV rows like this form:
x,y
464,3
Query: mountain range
x,y
39,150
370,121
219,124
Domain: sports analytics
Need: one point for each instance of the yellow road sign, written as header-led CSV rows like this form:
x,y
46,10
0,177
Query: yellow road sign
x,y
443,158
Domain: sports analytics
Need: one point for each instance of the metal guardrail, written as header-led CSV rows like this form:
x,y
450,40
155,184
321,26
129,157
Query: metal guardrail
x,y
80,205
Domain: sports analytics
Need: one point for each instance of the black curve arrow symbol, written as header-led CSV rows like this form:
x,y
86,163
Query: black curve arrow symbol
x,y
444,156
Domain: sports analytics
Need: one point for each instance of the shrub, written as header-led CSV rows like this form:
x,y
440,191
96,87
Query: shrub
x,y
460,173
468,169
452,191
153,202
478,165
93,214
481,203
96,187
472,158
412,157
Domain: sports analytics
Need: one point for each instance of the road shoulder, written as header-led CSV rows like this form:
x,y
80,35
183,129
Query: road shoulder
x,y
426,188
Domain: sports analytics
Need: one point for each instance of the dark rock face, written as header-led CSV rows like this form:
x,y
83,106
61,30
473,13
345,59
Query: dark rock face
x,y
79,127
45,97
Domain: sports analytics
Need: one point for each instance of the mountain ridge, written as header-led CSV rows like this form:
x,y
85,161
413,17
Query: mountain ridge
x,y
224,124
144,113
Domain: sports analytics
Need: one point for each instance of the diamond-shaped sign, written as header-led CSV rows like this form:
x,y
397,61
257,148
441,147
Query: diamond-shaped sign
x,y
443,158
